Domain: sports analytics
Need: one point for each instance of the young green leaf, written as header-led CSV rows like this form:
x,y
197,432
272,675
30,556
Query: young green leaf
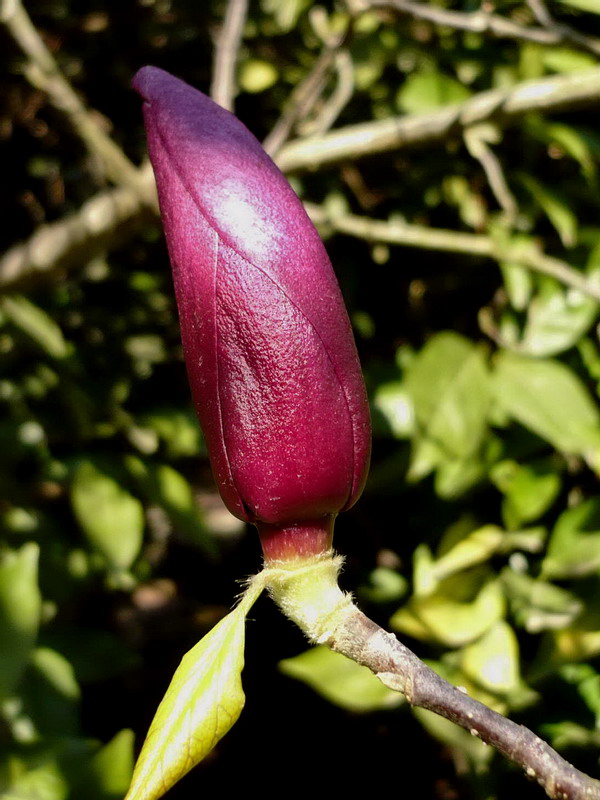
x,y
202,703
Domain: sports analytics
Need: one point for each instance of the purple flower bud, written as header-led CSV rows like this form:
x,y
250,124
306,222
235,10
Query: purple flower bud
x,y
268,346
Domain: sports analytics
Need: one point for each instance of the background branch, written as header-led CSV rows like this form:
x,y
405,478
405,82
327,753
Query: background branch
x,y
350,142
503,106
473,244
303,97
103,223
483,21
42,71
223,85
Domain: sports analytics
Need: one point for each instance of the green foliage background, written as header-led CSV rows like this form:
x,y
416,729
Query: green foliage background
x,y
478,536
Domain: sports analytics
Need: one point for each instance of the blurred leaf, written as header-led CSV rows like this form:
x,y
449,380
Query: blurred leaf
x,y
564,735
39,778
256,75
556,319
394,402
108,773
574,546
569,139
20,608
35,324
456,476
340,681
286,12
203,701
529,490
583,5
587,681
459,192
51,694
493,660
565,60
429,89
385,585
446,618
474,549
548,398
518,283
111,518
164,486
449,385
556,208
178,430
538,605
94,654
425,456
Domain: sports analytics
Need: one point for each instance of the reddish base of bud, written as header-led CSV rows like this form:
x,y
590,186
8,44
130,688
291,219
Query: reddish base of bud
x,y
296,542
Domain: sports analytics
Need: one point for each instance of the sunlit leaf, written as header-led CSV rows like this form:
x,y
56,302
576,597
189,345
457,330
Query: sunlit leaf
x,y
340,681
548,398
203,701
447,618
476,548
493,660
394,402
556,319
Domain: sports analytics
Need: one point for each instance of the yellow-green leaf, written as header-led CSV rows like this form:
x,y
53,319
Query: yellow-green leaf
x,y
340,680
202,703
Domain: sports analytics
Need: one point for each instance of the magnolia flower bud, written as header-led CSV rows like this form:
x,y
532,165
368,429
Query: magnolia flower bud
x,y
269,351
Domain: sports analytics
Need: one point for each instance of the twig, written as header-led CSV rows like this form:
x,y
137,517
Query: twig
x,y
568,34
476,139
222,88
340,97
351,142
400,669
303,98
475,244
42,71
503,106
308,594
484,22
104,222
